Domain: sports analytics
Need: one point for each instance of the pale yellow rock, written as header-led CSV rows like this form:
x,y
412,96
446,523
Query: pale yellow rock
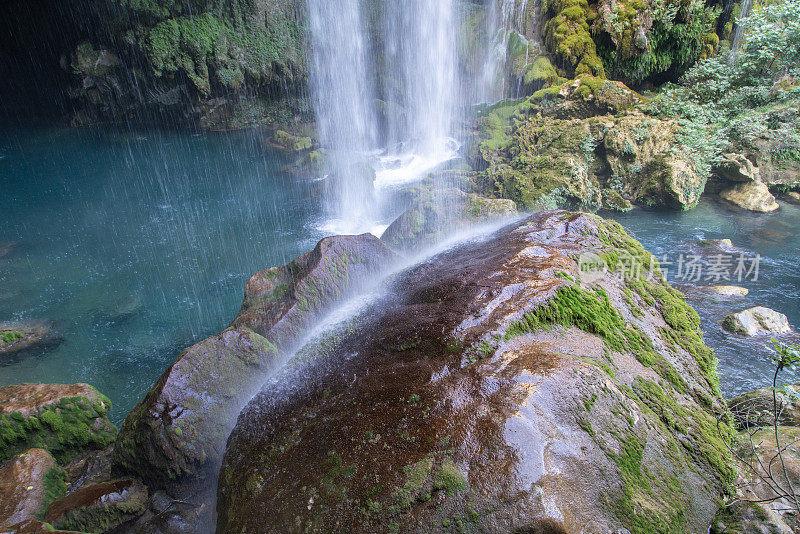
x,y
753,196
730,290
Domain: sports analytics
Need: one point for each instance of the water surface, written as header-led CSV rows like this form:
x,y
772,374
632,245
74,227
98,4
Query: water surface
x,y
138,243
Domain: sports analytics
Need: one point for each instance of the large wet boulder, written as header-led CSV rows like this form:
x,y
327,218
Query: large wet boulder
x,y
176,434
28,482
757,321
64,419
435,214
491,389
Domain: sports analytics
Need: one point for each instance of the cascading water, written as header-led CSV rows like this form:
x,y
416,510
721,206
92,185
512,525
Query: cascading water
x,y
504,18
421,56
343,99
419,95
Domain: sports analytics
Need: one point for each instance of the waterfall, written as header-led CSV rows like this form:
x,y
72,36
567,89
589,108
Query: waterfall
x,y
738,32
420,44
343,99
388,97
503,17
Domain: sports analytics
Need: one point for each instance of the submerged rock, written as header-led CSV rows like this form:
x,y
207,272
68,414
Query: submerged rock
x,y
177,433
99,507
63,419
18,340
490,390
730,291
28,481
794,196
752,196
756,321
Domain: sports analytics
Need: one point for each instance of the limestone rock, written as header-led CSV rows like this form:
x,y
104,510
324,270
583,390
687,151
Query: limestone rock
x,y
434,215
757,321
730,291
23,490
290,143
18,340
176,434
757,408
490,391
737,168
752,196
64,419
794,196
99,507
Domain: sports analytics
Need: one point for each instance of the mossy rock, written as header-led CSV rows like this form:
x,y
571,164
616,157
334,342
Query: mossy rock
x,y
65,420
496,384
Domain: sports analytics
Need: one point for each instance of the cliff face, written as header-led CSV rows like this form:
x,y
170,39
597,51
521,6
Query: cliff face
x,y
224,63
218,63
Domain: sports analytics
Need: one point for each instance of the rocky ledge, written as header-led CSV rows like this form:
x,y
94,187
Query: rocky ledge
x,y
493,388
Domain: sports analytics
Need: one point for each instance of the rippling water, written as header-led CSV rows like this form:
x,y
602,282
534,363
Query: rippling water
x,y
139,243
743,362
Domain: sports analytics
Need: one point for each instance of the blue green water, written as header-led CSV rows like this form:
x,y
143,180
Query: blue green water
x,y
744,363
138,243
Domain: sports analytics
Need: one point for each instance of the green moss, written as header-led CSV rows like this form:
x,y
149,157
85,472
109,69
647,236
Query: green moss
x,y
64,429
10,336
707,441
55,487
411,491
449,478
568,37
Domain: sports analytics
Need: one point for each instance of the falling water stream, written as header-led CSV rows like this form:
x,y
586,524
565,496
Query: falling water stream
x,y
388,107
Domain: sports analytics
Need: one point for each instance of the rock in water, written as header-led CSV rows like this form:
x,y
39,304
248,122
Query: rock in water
x,y
753,196
756,321
23,490
21,339
730,291
757,407
177,433
490,390
64,419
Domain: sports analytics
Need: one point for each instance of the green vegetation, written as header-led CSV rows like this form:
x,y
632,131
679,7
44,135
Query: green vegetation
x,y
449,478
55,487
64,429
723,102
10,336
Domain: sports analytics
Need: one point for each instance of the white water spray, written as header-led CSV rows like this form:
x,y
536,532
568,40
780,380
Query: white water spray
x,y
412,66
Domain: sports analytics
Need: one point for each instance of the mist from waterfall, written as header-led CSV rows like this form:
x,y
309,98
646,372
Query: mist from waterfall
x,y
387,97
